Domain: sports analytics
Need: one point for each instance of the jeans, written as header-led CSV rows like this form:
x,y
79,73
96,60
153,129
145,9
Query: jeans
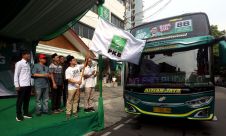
x,y
42,98
23,99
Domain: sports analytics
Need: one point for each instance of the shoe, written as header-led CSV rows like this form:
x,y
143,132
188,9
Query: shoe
x,y
76,115
38,114
27,116
92,109
19,118
87,110
68,116
55,112
60,110
47,113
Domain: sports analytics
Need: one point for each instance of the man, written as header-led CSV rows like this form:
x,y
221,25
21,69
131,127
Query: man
x,y
22,82
64,66
74,81
41,74
56,75
89,76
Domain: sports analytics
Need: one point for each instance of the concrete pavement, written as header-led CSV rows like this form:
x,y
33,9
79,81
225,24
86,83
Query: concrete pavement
x,y
113,104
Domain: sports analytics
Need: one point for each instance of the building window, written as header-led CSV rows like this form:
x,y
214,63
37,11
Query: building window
x,y
94,9
121,1
83,30
116,21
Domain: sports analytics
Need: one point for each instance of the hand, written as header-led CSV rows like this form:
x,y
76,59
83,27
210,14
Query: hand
x,y
79,82
54,86
17,88
93,72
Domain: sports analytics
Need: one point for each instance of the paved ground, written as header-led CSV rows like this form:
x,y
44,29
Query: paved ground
x,y
113,105
152,126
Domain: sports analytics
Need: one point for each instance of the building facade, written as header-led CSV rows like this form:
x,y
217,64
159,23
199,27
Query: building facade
x,y
134,13
114,9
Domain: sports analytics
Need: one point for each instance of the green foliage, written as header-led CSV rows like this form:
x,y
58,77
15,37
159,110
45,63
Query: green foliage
x,y
216,33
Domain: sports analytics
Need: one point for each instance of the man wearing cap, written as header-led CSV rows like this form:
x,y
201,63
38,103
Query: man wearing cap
x,y
41,74
22,82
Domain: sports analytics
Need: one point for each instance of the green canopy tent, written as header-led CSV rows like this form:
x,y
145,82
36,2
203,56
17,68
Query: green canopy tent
x,y
34,20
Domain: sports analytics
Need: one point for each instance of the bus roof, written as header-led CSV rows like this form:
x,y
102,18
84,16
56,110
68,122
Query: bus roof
x,y
185,29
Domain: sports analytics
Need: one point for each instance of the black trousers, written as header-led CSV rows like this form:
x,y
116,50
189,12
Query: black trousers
x,y
23,99
65,93
56,97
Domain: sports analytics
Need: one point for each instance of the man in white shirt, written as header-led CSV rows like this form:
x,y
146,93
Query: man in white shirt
x,y
73,76
89,76
22,82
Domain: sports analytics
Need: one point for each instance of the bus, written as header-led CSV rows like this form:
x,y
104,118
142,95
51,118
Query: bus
x,y
174,77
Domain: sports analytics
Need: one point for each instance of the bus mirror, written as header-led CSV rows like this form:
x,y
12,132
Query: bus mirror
x,y
222,52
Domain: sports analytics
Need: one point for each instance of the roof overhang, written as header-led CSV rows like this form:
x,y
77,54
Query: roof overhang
x,y
78,43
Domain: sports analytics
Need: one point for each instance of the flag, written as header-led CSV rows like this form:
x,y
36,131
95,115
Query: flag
x,y
115,43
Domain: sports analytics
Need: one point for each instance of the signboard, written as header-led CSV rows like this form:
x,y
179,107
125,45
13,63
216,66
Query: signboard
x,y
104,13
184,26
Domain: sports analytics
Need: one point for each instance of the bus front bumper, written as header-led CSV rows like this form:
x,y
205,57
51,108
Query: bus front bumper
x,y
203,113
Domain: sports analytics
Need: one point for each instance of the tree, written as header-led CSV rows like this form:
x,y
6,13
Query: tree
x,y
217,33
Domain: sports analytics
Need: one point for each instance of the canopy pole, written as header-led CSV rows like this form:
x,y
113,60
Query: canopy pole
x,y
100,99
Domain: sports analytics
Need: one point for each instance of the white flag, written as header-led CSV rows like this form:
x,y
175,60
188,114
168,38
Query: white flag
x,y
115,43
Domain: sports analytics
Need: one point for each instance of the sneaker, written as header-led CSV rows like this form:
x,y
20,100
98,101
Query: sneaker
x,y
19,118
47,113
76,115
27,116
60,110
38,114
55,112
92,109
87,110
68,116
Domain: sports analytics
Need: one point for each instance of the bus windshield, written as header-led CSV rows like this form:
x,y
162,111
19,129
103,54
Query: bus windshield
x,y
182,67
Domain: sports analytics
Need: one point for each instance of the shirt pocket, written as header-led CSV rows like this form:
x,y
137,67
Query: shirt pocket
x,y
25,68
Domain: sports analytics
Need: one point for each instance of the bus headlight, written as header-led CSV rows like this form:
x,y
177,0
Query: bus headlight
x,y
132,99
199,102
